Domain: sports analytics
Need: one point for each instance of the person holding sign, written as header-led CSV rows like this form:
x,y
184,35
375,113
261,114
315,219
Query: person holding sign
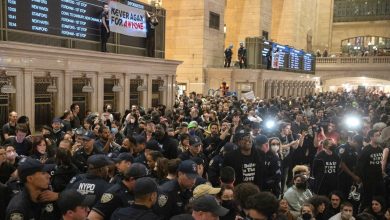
x,y
104,27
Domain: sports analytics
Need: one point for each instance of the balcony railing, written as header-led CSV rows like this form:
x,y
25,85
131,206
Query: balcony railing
x,y
363,60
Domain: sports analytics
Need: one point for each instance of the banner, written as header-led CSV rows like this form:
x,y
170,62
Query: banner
x,y
127,20
249,95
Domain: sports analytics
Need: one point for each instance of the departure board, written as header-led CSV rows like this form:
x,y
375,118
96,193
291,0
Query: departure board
x,y
68,18
282,53
295,59
308,62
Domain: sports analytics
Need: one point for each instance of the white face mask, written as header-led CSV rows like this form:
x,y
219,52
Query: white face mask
x,y
132,120
275,148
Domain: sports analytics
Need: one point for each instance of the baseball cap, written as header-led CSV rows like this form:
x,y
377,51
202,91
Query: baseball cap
x,y
205,189
144,186
136,170
195,141
208,203
98,161
153,145
193,124
70,199
189,168
28,166
123,156
56,120
260,140
229,146
89,135
198,160
139,139
240,133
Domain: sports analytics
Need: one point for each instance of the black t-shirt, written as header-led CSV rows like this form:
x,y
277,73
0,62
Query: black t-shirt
x,y
248,168
104,15
5,172
23,148
369,164
326,169
9,129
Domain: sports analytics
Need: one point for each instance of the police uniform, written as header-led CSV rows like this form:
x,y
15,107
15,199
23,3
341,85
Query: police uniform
x,y
135,212
80,158
115,197
349,157
21,207
172,200
88,184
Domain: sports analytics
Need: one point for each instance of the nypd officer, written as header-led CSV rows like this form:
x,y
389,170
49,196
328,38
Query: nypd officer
x,y
176,193
82,154
122,162
28,204
94,182
119,195
145,192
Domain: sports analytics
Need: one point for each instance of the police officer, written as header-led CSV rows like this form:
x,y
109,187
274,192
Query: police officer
x,y
82,154
175,194
145,193
272,164
73,205
122,163
28,203
119,195
194,150
349,159
94,182
215,164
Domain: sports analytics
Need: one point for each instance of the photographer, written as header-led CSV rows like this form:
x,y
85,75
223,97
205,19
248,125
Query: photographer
x,y
325,131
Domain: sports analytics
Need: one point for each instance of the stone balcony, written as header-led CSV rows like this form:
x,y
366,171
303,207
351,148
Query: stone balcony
x,y
341,67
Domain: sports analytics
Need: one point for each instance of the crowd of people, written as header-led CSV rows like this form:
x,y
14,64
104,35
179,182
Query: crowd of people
x,y
321,156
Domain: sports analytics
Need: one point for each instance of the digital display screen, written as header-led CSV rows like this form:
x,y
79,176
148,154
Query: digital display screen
x,y
68,18
295,59
308,62
267,47
279,53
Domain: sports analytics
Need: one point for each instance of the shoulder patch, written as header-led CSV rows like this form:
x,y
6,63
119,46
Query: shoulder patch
x,y
72,180
341,150
49,207
106,197
162,200
16,216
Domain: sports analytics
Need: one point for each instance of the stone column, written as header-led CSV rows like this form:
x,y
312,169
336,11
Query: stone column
x,y
144,94
67,85
96,101
29,97
19,86
60,95
126,89
149,95
99,90
121,104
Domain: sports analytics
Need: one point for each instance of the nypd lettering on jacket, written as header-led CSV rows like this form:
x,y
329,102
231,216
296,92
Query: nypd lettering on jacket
x,y
86,188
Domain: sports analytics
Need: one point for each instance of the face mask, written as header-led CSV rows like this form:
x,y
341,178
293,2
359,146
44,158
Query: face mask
x,y
114,130
192,132
302,186
275,148
56,130
306,216
132,121
229,204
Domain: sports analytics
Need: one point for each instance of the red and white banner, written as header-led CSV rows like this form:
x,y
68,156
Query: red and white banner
x,y
127,20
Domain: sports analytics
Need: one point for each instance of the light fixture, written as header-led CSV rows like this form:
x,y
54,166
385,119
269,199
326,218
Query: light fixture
x,y
7,88
52,88
87,87
117,87
142,88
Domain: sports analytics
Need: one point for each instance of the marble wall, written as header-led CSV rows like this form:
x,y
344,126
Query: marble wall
x,y
25,62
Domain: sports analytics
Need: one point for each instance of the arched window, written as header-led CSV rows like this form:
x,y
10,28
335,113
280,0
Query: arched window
x,y
361,10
